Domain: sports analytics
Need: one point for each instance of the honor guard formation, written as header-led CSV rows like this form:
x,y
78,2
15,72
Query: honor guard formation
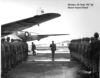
x,y
87,52
12,53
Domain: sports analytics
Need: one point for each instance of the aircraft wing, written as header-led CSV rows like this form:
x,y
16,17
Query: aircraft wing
x,y
9,28
47,35
29,36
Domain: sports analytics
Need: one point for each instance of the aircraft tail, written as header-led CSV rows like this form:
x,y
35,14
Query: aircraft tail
x,y
39,11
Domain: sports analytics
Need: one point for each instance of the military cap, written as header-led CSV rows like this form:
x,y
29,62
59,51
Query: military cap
x,y
8,38
79,40
19,40
92,38
3,39
96,35
83,39
12,40
87,39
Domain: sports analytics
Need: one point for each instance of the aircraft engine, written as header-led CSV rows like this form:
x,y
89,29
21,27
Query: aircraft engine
x,y
26,34
38,38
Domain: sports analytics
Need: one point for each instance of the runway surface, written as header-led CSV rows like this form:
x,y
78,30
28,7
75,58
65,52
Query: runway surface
x,y
42,66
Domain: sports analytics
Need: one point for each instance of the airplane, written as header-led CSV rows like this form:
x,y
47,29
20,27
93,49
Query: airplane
x,y
9,28
29,36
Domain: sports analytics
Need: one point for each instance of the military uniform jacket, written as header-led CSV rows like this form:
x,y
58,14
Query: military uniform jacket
x,y
95,48
33,47
53,47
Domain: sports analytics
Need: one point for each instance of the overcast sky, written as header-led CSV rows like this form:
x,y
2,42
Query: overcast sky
x,y
76,22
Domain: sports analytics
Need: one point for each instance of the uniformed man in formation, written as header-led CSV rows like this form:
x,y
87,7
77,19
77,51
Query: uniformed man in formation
x,y
12,53
87,51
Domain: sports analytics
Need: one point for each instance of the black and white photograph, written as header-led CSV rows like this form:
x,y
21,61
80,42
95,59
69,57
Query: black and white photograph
x,y
50,39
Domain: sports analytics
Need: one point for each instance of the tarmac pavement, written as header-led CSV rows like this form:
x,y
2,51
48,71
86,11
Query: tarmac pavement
x,y
42,66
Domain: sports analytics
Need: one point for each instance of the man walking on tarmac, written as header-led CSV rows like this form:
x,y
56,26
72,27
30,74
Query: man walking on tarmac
x,y
53,49
33,48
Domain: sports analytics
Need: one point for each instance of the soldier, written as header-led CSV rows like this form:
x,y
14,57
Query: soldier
x,y
3,58
21,50
73,48
13,53
23,42
70,48
6,48
89,56
8,53
33,48
53,49
92,38
95,50
16,48
79,48
86,56
25,52
82,50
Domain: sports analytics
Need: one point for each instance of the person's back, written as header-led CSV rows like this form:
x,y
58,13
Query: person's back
x,y
53,46
95,47
95,52
53,49
33,47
